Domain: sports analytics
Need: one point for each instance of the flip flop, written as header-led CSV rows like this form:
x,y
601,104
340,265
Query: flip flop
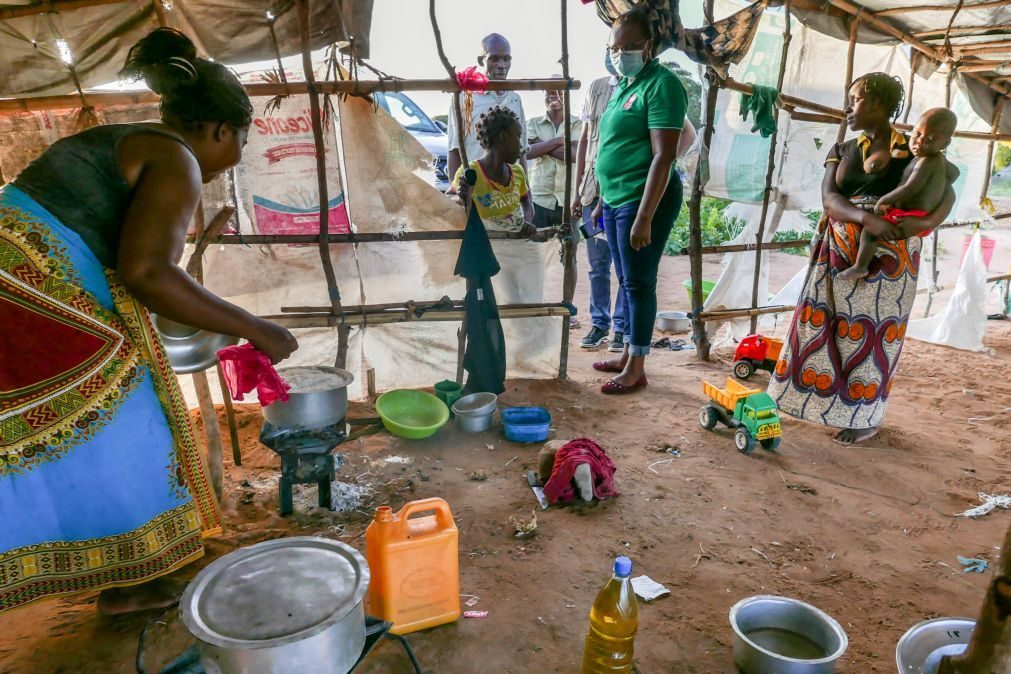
x,y
612,387
605,366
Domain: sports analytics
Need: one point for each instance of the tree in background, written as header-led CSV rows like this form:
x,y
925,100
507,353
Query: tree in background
x,y
694,88
1002,158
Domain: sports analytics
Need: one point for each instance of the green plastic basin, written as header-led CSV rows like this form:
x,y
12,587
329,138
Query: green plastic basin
x,y
707,287
411,414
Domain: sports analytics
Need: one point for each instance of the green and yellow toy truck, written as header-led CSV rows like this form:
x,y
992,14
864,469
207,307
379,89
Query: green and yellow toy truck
x,y
750,411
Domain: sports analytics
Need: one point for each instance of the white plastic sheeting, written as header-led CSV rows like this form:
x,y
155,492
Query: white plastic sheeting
x,y
962,323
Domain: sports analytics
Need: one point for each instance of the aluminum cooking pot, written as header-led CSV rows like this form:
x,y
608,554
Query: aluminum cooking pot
x,y
287,606
673,321
316,408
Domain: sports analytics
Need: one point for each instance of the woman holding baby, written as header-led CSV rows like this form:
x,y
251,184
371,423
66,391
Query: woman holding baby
x,y
837,365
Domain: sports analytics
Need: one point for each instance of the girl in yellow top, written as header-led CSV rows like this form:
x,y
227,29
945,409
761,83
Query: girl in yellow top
x,y
501,194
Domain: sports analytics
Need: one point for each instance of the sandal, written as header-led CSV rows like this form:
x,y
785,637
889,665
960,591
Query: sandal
x,y
605,366
612,387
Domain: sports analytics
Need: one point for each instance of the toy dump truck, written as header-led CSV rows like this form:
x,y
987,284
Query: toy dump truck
x,y
750,411
756,352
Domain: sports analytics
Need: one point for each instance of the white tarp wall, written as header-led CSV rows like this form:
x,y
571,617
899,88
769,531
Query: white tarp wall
x,y
816,71
380,184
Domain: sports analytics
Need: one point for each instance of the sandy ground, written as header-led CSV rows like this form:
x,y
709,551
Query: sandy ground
x,y
866,534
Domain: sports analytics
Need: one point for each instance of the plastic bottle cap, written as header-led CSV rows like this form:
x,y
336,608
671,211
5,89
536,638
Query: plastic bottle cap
x,y
623,567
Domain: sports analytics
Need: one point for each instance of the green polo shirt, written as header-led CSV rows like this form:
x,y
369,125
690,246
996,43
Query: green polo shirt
x,y
654,99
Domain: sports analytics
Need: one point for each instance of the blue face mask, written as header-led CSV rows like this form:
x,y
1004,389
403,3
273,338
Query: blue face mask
x,y
628,63
608,65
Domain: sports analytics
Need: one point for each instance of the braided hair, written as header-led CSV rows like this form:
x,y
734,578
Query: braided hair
x,y
193,90
494,122
886,89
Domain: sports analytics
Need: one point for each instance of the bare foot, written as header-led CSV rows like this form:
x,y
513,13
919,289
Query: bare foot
x,y
157,593
851,436
853,274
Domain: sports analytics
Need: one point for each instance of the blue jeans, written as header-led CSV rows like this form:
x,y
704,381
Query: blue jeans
x,y
598,253
637,269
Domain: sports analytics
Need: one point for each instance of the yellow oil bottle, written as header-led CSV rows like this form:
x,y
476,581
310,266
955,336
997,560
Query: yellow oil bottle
x,y
614,618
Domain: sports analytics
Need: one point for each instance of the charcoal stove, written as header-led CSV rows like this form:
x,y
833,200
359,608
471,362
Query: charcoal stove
x,y
306,458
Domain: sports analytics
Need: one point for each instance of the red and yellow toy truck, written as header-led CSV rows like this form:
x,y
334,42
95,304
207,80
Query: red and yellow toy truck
x,y
756,352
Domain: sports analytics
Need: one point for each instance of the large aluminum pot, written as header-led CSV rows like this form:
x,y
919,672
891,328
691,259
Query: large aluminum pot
x,y
779,635
921,649
287,606
190,350
320,406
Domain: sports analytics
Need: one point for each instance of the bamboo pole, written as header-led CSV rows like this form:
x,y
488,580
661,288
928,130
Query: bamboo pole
x,y
315,109
102,99
962,31
998,110
52,7
748,247
886,27
998,67
725,314
699,335
368,237
982,48
568,238
936,8
454,315
851,51
767,192
913,61
464,162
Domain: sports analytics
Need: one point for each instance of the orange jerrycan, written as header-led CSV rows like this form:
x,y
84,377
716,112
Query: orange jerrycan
x,y
414,566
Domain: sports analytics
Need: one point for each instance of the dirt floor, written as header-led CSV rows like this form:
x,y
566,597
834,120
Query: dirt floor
x,y
868,534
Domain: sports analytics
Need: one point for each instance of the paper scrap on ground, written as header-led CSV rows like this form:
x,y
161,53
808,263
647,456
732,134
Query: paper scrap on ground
x,y
990,501
475,614
648,589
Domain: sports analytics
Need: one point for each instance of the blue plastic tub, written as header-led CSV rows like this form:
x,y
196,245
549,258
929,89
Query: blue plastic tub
x,y
526,424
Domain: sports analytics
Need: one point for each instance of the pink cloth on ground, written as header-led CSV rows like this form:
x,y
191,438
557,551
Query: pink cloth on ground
x,y
561,489
246,368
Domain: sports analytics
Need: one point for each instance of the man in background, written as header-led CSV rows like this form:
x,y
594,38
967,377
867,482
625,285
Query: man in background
x,y
598,253
496,59
546,155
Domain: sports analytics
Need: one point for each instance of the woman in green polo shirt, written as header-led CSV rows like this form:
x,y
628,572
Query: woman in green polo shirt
x,y
639,190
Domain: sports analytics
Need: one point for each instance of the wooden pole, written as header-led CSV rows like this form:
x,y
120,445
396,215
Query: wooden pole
x,y
747,247
461,335
850,55
998,110
989,650
695,206
913,60
436,316
316,110
724,314
568,235
940,8
767,193
374,237
233,428
101,99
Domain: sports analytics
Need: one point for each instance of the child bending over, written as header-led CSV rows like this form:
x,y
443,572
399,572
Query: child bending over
x,y
922,190
501,195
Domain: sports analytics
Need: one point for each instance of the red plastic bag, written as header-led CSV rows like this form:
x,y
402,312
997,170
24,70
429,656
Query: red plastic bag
x,y
245,368
472,79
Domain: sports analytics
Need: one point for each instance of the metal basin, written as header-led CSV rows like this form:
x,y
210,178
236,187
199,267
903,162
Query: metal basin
x,y
288,606
921,648
475,412
190,349
779,635
673,321
312,409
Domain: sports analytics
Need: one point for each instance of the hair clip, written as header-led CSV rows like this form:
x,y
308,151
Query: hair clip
x,y
183,64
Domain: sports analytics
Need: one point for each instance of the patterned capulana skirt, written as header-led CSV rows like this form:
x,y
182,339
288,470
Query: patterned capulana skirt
x,y
101,481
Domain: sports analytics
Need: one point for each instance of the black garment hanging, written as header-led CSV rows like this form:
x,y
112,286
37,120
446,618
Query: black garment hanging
x,y
484,358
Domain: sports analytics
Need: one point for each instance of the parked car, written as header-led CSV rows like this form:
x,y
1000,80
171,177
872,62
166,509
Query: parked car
x,y
431,135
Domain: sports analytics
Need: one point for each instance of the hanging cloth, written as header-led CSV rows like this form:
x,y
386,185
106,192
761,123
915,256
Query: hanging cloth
x,y
762,103
485,355
718,45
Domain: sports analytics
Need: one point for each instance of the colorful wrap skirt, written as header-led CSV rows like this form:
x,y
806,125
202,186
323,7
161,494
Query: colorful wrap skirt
x,y
838,363
101,481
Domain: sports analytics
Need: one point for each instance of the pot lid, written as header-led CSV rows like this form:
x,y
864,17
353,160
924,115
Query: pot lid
x,y
275,592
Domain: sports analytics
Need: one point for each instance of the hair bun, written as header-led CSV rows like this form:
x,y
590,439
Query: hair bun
x,y
164,60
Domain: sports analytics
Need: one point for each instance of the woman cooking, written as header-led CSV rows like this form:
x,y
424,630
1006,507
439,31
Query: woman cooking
x,y
101,483
837,366
639,190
